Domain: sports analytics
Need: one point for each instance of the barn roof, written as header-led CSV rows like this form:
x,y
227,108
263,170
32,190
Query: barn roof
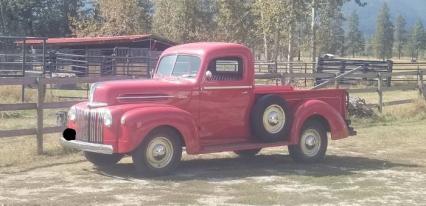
x,y
82,41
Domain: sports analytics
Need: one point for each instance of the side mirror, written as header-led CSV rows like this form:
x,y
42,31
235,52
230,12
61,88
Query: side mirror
x,y
209,75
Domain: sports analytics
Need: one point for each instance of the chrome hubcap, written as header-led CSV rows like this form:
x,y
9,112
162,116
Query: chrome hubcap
x,y
274,118
159,152
310,142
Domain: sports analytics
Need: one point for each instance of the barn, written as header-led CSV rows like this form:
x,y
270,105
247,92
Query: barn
x,y
134,55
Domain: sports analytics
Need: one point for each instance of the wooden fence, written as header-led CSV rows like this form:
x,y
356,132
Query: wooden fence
x,y
41,105
379,88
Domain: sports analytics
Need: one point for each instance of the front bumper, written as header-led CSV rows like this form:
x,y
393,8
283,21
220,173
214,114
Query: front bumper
x,y
87,146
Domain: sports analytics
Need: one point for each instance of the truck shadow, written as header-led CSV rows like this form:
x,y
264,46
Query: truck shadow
x,y
261,165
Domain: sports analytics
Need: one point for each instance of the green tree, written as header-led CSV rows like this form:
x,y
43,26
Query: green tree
x,y
383,37
400,35
115,17
37,17
417,40
183,20
275,22
354,38
330,35
369,46
234,21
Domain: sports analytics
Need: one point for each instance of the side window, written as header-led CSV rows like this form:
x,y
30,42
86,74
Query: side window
x,y
226,69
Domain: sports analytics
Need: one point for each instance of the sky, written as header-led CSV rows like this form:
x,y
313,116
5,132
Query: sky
x,y
410,9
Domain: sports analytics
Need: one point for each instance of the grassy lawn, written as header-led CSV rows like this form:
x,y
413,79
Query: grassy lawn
x,y
382,165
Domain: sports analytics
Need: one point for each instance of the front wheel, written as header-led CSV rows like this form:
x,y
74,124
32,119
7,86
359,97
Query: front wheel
x,y
159,153
312,144
103,160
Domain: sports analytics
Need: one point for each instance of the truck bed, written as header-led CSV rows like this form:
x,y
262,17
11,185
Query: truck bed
x,y
294,97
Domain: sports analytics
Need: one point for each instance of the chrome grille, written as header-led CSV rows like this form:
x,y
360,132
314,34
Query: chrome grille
x,y
89,126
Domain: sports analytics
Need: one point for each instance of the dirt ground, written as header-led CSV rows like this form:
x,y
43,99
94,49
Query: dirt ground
x,y
383,165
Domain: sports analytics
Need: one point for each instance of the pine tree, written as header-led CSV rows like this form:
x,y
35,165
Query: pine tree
x,y
417,40
383,37
354,38
330,33
369,46
400,35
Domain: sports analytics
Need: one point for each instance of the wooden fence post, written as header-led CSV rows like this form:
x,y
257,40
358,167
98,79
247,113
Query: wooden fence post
x,y
23,71
41,91
421,85
390,69
306,68
380,91
336,83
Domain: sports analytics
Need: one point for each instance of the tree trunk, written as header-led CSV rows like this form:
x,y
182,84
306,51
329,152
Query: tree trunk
x,y
265,40
265,45
313,29
290,52
399,52
276,44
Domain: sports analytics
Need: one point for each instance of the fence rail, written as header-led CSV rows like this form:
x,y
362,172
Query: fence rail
x,y
379,78
41,105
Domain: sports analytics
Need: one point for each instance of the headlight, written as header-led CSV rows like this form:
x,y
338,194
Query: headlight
x,y
72,113
106,114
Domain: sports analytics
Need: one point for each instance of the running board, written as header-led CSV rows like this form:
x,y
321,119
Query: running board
x,y
241,146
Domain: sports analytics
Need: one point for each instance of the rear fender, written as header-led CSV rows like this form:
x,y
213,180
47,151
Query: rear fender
x,y
312,108
137,123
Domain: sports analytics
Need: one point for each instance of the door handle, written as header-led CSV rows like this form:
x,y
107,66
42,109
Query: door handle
x,y
244,92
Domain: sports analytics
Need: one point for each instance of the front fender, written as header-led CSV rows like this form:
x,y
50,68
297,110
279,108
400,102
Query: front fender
x,y
310,108
137,124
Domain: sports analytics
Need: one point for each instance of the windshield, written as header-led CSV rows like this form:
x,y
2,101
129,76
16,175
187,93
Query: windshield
x,y
179,66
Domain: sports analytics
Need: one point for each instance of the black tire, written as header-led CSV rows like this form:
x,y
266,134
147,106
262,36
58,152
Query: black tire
x,y
166,138
257,120
303,151
247,153
103,160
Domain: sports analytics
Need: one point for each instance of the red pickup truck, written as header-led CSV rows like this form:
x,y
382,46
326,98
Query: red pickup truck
x,y
203,98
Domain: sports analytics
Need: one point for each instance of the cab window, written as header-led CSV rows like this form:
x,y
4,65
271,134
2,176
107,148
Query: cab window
x,y
226,69
179,66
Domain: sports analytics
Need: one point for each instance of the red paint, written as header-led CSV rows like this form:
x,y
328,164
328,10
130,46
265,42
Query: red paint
x,y
208,120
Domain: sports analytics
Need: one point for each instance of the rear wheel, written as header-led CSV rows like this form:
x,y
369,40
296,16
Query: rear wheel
x,y
159,153
312,144
247,153
103,160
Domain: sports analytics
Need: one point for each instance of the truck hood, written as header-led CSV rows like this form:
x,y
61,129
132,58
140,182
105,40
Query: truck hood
x,y
140,91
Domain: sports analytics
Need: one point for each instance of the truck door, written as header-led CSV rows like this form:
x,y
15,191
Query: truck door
x,y
225,101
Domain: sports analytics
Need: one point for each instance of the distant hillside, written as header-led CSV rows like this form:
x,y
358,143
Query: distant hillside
x,y
410,9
